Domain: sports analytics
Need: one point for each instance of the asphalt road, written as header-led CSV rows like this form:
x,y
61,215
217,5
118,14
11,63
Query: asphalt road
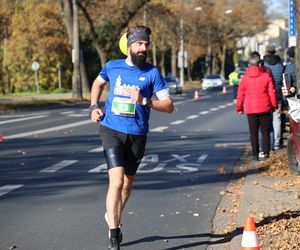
x,y
53,177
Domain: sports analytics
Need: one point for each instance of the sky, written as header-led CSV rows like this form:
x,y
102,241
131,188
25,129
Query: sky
x,y
278,6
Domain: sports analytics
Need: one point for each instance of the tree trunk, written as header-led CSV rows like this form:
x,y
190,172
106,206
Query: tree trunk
x,y
67,16
154,54
162,64
174,64
223,61
76,81
84,78
189,75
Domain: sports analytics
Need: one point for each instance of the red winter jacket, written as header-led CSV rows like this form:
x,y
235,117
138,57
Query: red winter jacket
x,y
256,92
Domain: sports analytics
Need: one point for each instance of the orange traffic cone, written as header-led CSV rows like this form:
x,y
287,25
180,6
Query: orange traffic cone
x,y
224,89
250,240
196,96
1,137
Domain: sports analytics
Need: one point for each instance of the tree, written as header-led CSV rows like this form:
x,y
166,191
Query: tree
x,y
39,38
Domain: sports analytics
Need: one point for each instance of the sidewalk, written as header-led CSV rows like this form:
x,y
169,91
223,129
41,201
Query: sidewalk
x,y
267,198
19,99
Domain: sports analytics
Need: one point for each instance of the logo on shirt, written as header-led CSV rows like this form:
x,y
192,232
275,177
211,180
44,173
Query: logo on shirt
x,y
142,78
125,89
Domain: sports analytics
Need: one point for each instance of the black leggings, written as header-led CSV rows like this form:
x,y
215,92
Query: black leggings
x,y
263,122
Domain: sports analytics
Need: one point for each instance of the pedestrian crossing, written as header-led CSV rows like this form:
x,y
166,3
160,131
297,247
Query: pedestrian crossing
x,y
150,164
146,167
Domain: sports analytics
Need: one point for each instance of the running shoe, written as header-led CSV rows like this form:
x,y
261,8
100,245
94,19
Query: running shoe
x,y
121,235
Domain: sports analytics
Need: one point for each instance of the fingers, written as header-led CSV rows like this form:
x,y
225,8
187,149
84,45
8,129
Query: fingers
x,y
96,115
135,95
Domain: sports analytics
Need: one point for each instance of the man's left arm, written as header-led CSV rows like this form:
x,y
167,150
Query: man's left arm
x,y
163,105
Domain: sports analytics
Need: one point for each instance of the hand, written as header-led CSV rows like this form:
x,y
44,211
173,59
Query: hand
x,y
135,95
292,90
241,112
97,115
284,91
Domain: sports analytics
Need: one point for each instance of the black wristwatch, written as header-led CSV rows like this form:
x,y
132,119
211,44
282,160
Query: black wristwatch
x,y
93,107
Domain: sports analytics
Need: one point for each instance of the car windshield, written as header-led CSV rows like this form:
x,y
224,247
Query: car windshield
x,y
213,77
170,79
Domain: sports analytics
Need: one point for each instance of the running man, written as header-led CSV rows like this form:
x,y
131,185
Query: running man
x,y
124,120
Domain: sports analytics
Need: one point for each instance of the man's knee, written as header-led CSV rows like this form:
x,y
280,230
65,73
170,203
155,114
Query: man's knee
x,y
116,178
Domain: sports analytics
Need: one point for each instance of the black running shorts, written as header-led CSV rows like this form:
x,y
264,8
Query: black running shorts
x,y
122,149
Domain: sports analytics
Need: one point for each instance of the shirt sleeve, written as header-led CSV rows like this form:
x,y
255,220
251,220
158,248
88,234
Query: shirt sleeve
x,y
159,82
103,73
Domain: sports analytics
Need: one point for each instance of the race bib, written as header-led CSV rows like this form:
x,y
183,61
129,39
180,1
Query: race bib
x,y
123,106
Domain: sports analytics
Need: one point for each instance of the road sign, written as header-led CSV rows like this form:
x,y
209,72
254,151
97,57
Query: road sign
x,y
35,65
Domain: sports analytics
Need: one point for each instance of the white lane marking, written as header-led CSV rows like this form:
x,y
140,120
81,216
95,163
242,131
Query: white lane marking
x,y
178,157
8,188
97,150
159,129
213,109
150,158
179,102
58,166
99,169
23,119
203,112
67,112
230,104
177,122
158,168
42,131
222,106
202,158
192,117
78,115
225,145
24,115
185,168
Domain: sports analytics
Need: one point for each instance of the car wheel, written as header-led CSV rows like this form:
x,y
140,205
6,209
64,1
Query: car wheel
x,y
292,159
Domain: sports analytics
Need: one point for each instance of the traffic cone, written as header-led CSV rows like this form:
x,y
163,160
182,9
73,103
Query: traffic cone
x,y
196,96
250,240
224,89
1,137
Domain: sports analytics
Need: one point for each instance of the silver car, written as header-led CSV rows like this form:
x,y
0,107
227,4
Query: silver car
x,y
213,81
173,85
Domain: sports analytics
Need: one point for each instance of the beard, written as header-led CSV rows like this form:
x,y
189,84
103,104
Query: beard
x,y
138,59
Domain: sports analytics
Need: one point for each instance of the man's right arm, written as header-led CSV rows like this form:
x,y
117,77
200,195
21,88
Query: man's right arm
x,y
96,92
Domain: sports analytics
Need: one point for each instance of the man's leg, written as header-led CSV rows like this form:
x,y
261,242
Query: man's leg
x,y
114,196
126,190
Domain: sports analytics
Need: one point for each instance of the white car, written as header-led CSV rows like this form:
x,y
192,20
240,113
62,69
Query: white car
x,y
213,81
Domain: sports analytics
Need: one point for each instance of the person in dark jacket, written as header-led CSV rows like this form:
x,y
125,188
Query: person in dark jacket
x,y
290,69
274,63
257,97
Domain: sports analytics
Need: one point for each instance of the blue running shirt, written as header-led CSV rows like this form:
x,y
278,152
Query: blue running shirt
x,y
122,78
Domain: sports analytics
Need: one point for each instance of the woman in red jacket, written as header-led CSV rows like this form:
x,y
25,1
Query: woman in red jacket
x,y
257,98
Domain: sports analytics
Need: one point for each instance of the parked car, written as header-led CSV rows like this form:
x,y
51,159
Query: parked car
x,y
212,82
173,85
293,147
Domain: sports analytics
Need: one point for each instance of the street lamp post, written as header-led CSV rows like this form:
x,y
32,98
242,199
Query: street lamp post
x,y
181,54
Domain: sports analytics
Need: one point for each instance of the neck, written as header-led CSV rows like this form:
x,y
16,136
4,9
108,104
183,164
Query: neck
x,y
129,61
